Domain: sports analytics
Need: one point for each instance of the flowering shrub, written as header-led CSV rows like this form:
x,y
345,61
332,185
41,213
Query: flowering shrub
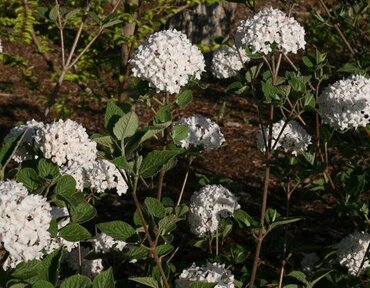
x,y
79,210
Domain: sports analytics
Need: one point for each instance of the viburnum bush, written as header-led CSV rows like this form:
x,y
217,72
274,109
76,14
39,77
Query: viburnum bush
x,y
56,179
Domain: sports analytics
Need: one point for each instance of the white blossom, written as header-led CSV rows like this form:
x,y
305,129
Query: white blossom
x,y
90,268
104,243
308,262
267,27
24,223
202,132
293,139
351,252
211,273
227,62
167,59
25,150
66,143
346,103
208,206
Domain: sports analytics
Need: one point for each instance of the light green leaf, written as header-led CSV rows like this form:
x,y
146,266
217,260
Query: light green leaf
x,y
119,230
74,232
184,98
126,126
179,133
42,284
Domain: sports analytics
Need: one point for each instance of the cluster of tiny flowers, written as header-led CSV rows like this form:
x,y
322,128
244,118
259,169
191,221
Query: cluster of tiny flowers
x,y
24,223
62,216
66,143
208,206
227,62
293,139
211,273
90,268
308,262
351,252
104,243
346,103
166,60
267,27
202,132
25,150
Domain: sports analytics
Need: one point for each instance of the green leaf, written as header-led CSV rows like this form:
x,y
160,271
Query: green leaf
x,y
76,281
243,218
53,228
122,163
49,268
47,169
29,178
154,161
307,61
155,207
126,126
319,275
184,98
167,224
66,185
164,249
236,87
163,115
74,232
300,276
112,113
96,18
282,221
72,13
26,270
179,133
104,280
8,149
147,281
137,252
83,212
112,23
42,284
53,14
119,230
105,143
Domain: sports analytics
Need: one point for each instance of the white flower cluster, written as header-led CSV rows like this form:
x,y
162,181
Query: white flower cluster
x,y
66,143
293,139
267,27
346,103
308,262
24,223
90,268
62,216
202,132
211,273
25,150
351,252
227,62
167,59
104,243
208,206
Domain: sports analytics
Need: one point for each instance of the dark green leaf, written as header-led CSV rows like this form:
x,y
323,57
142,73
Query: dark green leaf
x,y
163,115
122,163
307,61
147,281
76,281
29,178
104,280
74,232
49,268
137,252
112,114
47,169
26,270
83,212
112,23
8,149
119,230
66,185
42,284
72,13
164,249
154,207
154,161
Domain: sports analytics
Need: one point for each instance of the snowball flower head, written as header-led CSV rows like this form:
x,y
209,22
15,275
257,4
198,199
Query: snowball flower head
x,y
211,273
293,139
202,132
24,223
351,251
66,143
208,206
346,103
166,60
25,150
104,243
267,27
227,62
